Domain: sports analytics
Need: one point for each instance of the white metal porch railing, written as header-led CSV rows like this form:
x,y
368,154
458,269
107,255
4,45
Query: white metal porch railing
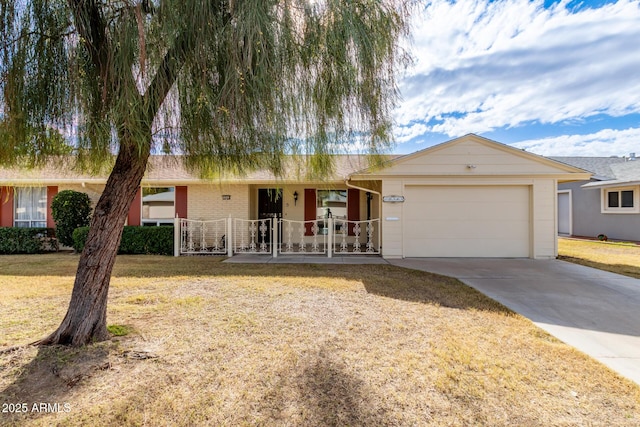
x,y
203,237
272,237
252,236
302,237
364,238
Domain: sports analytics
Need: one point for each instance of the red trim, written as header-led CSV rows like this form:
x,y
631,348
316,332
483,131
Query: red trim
x,y
181,201
309,209
135,210
6,207
353,207
51,193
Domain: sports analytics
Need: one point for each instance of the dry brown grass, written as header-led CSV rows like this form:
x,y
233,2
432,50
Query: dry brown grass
x,y
230,344
621,258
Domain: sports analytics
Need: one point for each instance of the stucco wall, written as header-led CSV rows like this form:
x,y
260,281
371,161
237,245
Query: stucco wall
x,y
589,221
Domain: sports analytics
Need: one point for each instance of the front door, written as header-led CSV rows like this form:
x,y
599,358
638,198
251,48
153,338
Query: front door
x,y
270,205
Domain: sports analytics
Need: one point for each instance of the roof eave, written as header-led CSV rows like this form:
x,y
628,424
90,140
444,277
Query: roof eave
x,y
610,184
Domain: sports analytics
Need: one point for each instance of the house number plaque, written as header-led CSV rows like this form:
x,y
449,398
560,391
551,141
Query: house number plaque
x,y
393,199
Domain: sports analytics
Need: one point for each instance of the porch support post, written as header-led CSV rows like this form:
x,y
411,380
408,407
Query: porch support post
x,y
330,237
176,236
230,236
274,236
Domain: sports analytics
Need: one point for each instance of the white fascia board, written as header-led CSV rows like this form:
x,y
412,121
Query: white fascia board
x,y
610,184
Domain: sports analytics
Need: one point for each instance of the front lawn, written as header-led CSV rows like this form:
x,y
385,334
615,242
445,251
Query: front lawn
x,y
621,258
208,343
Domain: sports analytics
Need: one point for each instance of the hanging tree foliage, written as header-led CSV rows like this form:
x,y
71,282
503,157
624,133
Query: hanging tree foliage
x,y
231,85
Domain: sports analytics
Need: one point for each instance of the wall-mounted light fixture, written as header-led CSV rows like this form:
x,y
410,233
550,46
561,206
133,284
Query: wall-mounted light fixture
x,y
471,166
295,198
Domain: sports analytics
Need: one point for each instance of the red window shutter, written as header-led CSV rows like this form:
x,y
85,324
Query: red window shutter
x,y
309,209
181,201
51,193
6,207
353,208
135,213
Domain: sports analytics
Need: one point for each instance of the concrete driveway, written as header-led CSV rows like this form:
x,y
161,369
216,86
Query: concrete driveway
x,y
592,310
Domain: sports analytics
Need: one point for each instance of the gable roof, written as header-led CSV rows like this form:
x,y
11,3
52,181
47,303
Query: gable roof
x,y
474,154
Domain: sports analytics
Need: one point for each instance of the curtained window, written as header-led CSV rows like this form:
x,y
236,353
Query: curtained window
x,y
30,207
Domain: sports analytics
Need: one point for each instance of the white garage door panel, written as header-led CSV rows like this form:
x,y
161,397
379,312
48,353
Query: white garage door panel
x,y
506,230
491,221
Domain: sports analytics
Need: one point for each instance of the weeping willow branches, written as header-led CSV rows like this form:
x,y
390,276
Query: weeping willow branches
x,y
231,85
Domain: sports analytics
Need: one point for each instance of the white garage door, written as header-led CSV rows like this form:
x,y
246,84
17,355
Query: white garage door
x,y
474,221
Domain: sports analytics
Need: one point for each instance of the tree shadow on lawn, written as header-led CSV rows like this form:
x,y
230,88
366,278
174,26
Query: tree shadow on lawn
x,y
44,383
319,390
378,279
322,391
429,288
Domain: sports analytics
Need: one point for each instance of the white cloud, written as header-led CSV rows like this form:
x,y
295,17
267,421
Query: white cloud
x,y
408,132
486,65
604,143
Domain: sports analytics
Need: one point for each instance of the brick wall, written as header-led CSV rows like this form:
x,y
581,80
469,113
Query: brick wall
x,y
205,201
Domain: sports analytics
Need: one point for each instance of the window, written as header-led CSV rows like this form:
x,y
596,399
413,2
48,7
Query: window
x,y
158,206
332,202
621,201
30,207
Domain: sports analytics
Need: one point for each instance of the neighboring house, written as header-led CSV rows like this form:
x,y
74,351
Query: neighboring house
x,y
608,203
468,197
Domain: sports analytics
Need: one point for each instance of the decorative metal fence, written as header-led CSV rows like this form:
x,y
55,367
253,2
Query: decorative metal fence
x,y
252,236
356,237
287,237
302,237
203,237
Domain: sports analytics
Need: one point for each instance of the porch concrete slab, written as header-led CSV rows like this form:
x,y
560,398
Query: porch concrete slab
x,y
592,310
304,259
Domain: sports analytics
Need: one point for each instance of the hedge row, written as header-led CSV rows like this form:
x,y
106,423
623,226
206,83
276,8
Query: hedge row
x,y
135,240
19,240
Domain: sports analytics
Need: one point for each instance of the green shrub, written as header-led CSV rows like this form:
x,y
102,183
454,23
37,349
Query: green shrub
x,y
19,240
79,238
135,240
70,210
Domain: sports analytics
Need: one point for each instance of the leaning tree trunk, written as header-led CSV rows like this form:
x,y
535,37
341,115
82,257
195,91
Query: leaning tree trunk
x,y
86,318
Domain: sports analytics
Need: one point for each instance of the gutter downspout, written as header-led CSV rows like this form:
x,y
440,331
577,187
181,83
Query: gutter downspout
x,y
346,182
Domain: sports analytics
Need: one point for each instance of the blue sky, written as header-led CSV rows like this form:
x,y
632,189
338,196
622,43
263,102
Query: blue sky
x,y
555,78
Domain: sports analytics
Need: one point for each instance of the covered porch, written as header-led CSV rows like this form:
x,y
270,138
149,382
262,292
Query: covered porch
x,y
294,220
